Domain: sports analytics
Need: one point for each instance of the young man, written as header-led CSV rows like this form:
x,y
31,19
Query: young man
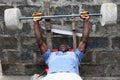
x,y
63,65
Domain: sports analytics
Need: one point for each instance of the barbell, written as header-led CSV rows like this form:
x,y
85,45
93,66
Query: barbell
x,y
13,16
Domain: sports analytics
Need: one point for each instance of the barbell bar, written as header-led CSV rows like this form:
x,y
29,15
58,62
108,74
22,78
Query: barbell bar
x,y
60,16
13,16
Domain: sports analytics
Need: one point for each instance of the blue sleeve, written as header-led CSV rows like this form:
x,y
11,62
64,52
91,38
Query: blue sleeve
x,y
46,55
79,55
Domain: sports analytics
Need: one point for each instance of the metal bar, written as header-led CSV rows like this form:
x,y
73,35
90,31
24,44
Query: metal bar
x,y
61,16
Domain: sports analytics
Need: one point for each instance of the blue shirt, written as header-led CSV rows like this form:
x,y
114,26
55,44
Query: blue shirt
x,y
63,61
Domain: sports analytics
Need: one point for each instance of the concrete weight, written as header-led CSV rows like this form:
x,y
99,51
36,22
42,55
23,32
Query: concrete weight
x,y
109,13
11,17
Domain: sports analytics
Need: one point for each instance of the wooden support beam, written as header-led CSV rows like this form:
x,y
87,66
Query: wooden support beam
x,y
48,23
74,33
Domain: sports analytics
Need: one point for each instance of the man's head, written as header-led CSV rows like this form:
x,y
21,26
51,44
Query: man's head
x,y
63,48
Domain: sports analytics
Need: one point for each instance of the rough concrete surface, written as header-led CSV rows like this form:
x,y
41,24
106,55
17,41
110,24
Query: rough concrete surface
x,y
29,77
15,78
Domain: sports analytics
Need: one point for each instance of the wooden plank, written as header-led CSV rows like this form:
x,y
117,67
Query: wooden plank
x,y
74,33
47,23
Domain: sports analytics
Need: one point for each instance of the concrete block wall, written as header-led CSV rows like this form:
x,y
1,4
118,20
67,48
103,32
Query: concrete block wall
x,y
19,50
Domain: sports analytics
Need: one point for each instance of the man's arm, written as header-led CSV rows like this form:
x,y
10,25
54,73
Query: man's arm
x,y
85,33
37,28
